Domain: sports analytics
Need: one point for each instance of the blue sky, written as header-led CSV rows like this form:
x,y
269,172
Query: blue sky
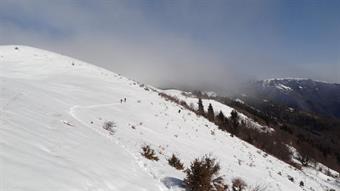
x,y
213,43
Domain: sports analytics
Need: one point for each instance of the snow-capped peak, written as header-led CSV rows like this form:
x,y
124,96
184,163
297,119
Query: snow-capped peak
x,y
291,79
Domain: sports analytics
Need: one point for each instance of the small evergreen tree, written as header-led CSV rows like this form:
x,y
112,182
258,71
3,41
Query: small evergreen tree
x,y
234,117
220,120
149,153
200,107
200,175
175,162
211,114
234,122
226,124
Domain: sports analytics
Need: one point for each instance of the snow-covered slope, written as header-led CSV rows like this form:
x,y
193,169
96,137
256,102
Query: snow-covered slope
x,y
52,109
192,101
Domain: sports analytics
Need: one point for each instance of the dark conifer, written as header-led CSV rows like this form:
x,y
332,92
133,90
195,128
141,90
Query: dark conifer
x,y
175,162
234,122
201,173
211,114
200,107
220,119
149,153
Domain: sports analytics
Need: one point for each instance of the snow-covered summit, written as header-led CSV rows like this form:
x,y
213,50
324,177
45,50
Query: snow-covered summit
x,y
272,81
288,85
52,111
28,62
283,79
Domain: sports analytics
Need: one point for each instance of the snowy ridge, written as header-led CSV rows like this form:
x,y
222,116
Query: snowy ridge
x,y
52,109
293,79
283,83
217,106
289,78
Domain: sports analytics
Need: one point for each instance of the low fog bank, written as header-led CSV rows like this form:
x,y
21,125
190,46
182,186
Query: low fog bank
x,y
193,45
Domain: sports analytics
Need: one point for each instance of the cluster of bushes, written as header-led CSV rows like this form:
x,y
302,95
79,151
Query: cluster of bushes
x,y
201,175
150,154
309,146
319,148
270,142
318,135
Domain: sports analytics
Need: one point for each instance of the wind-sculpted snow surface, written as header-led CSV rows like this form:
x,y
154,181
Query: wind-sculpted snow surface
x,y
52,112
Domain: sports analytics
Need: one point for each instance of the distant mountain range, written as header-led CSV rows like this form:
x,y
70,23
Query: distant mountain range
x,y
306,95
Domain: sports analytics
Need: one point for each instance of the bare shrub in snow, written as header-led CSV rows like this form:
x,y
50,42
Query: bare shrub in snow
x,y
302,184
201,174
290,178
238,184
149,153
109,125
175,162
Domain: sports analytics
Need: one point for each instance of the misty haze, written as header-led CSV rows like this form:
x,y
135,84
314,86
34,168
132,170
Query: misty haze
x,y
163,95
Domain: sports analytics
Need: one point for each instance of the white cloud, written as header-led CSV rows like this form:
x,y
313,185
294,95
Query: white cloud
x,y
124,38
